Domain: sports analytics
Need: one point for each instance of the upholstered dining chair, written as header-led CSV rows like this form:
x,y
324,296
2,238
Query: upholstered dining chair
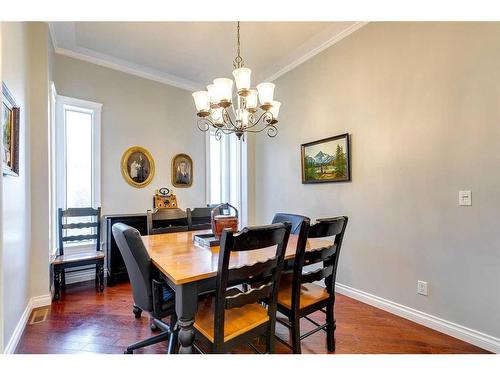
x,y
150,292
231,317
299,295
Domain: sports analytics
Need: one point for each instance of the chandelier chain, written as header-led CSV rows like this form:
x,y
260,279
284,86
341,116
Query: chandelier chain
x,y
238,61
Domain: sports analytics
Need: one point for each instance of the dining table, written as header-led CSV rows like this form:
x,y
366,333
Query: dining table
x,y
190,270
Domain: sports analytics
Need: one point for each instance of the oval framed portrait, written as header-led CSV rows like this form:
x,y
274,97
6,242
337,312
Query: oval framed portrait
x,y
182,171
138,167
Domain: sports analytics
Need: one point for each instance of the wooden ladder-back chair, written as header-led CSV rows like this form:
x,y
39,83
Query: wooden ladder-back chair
x,y
299,296
232,317
92,258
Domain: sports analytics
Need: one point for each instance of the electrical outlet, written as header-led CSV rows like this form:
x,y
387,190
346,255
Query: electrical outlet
x,y
422,287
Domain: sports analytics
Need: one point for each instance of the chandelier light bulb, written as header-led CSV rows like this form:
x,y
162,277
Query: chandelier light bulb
x,y
275,110
213,94
225,89
242,78
201,101
251,100
266,93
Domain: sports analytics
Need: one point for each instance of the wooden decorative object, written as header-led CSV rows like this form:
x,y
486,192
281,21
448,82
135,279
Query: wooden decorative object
x,y
138,167
221,221
10,127
164,198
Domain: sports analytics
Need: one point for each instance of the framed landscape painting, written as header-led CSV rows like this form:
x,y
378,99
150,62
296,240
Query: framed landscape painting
x,y
326,160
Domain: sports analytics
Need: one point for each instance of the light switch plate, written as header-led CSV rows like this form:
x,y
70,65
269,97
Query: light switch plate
x,y
422,288
465,198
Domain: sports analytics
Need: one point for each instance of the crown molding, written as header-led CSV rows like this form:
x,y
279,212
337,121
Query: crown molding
x,y
134,69
295,62
290,62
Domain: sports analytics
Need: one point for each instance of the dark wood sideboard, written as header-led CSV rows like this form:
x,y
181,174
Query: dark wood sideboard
x,y
114,261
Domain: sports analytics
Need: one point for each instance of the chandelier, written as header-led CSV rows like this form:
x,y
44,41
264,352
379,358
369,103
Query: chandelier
x,y
218,109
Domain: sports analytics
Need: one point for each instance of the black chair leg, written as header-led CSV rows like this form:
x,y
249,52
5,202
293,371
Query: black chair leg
x,y
173,341
97,278
295,330
137,311
100,270
270,340
330,333
149,341
57,284
63,280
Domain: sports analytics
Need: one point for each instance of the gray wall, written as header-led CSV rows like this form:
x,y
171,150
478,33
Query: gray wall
x,y
16,190
137,112
24,234
421,101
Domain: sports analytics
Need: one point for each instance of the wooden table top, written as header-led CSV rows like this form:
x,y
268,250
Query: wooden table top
x,y
182,261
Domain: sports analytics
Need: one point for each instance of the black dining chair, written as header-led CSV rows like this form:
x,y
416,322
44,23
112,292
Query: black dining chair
x,y
167,220
199,218
150,292
78,226
299,295
294,219
231,317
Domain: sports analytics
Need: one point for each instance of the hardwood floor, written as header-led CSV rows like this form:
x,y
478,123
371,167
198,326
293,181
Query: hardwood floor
x,y
84,321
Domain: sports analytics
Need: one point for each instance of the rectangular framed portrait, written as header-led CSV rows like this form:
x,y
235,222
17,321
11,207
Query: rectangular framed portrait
x,y
10,132
326,160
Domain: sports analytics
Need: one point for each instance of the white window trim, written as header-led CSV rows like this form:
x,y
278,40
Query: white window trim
x,y
52,170
241,175
95,109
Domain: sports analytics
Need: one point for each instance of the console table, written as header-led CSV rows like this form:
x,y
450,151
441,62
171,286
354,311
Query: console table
x,y
114,261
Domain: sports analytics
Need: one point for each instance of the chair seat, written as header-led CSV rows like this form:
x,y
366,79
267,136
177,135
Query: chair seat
x,y
309,293
74,258
236,321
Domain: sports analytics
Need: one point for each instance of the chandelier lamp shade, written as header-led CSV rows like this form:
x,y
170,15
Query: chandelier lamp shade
x,y
241,109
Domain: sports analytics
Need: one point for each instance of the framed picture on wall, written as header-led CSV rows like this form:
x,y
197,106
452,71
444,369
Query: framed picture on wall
x,y
10,131
138,167
182,171
326,160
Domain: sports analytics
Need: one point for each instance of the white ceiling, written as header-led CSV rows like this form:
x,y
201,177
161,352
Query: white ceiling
x,y
190,55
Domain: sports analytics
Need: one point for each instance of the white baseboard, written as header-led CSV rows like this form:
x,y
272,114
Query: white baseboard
x,y
469,335
33,303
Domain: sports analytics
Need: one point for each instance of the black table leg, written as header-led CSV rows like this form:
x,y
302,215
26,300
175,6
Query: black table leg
x,y
186,304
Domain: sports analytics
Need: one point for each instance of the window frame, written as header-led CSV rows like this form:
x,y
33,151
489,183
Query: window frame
x,y
234,173
64,103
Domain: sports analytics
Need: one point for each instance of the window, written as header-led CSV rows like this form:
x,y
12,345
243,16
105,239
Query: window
x,y
226,172
77,158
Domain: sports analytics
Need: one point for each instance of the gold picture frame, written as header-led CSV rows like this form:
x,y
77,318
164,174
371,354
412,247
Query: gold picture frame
x,y
138,166
182,171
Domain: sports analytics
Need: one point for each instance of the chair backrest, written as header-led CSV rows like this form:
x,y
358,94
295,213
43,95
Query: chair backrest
x,y
328,255
294,219
138,264
263,277
167,220
199,218
91,218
